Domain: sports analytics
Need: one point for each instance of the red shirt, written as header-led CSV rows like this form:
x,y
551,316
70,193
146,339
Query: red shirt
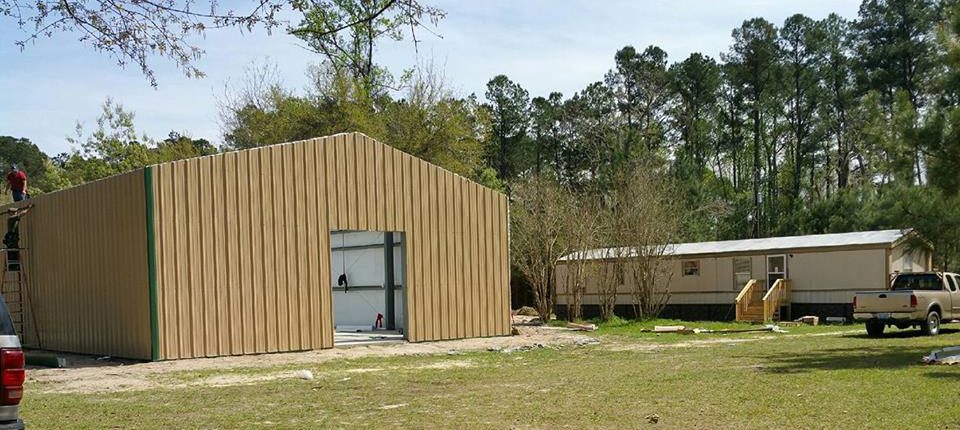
x,y
17,180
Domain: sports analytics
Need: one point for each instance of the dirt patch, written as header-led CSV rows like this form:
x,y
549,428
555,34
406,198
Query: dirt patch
x,y
229,380
699,343
89,375
446,365
364,370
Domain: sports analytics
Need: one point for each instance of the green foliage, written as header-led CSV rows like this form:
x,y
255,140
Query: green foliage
x,y
546,114
113,148
488,178
696,83
427,120
588,154
895,47
178,147
640,84
283,118
508,107
431,123
116,147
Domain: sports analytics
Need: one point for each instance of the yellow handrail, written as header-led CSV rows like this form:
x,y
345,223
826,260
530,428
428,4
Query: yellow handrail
x,y
775,297
745,297
746,289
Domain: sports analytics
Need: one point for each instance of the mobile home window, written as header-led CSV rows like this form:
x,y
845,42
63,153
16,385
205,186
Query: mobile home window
x,y
691,268
742,272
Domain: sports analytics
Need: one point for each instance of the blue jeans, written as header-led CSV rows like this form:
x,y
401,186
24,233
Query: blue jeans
x,y
19,195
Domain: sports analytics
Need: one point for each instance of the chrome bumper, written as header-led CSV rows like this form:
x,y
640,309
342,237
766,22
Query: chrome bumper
x,y
888,316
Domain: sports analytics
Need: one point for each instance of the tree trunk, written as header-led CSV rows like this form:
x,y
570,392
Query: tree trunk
x,y
756,169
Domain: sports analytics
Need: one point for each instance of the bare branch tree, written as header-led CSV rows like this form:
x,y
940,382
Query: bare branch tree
x,y
650,219
581,232
538,214
639,219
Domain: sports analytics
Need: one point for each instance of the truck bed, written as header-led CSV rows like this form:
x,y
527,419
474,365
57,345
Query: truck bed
x,y
884,301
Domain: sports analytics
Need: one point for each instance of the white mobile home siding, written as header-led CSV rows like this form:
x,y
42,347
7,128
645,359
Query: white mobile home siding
x,y
825,276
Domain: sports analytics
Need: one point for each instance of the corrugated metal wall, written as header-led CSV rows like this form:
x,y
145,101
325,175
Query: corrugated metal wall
x,y
243,252
86,265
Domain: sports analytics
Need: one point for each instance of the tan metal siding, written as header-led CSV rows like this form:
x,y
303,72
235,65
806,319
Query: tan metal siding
x,y
86,266
246,268
919,260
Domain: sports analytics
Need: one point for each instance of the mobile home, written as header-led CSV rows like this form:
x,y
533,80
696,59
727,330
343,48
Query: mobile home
x,y
704,280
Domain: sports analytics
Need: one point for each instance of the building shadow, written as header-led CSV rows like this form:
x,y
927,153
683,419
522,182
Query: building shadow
x,y
46,359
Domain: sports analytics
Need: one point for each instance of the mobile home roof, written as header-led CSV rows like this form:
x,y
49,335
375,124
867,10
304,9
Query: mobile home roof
x,y
862,238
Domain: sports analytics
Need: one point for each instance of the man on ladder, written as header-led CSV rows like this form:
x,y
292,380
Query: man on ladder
x,y
14,286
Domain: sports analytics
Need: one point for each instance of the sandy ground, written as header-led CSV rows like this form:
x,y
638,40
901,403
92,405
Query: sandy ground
x,y
89,375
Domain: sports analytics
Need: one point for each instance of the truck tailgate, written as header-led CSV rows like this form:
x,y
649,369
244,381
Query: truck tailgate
x,y
884,301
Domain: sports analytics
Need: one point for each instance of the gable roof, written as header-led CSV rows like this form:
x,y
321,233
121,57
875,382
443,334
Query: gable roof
x,y
879,238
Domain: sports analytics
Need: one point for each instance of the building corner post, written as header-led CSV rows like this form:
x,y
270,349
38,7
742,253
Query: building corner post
x,y
388,281
151,264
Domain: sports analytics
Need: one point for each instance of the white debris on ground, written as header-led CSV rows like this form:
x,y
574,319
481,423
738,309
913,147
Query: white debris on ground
x,y
581,327
687,330
949,355
304,374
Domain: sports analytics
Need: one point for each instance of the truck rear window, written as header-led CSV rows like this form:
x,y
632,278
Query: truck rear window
x,y
925,281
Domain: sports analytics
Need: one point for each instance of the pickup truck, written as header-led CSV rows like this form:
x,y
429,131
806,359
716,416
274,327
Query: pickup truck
x,y
913,299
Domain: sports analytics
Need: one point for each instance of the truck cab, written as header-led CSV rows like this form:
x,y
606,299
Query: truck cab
x,y
923,299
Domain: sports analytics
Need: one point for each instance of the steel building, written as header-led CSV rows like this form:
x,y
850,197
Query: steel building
x,y
236,253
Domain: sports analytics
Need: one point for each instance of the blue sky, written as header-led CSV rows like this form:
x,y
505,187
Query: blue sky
x,y
544,45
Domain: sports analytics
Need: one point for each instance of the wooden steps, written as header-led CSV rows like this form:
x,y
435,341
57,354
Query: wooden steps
x,y
752,314
758,306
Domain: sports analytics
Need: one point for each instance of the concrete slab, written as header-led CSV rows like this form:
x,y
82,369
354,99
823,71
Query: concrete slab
x,y
366,337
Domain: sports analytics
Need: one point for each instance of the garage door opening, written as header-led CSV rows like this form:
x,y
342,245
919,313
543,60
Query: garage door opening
x,y
369,295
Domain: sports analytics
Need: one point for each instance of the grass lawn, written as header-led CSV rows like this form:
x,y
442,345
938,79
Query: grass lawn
x,y
822,377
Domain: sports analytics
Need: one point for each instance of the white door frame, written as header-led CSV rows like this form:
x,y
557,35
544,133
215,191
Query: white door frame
x,y
767,265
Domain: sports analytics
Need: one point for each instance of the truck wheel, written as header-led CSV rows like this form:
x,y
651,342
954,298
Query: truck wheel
x,y
875,328
931,325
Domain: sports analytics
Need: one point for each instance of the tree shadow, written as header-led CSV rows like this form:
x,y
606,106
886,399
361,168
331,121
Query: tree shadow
x,y
846,359
902,334
955,376
876,354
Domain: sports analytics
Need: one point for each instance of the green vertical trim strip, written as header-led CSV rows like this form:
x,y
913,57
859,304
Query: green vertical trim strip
x,y
151,265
